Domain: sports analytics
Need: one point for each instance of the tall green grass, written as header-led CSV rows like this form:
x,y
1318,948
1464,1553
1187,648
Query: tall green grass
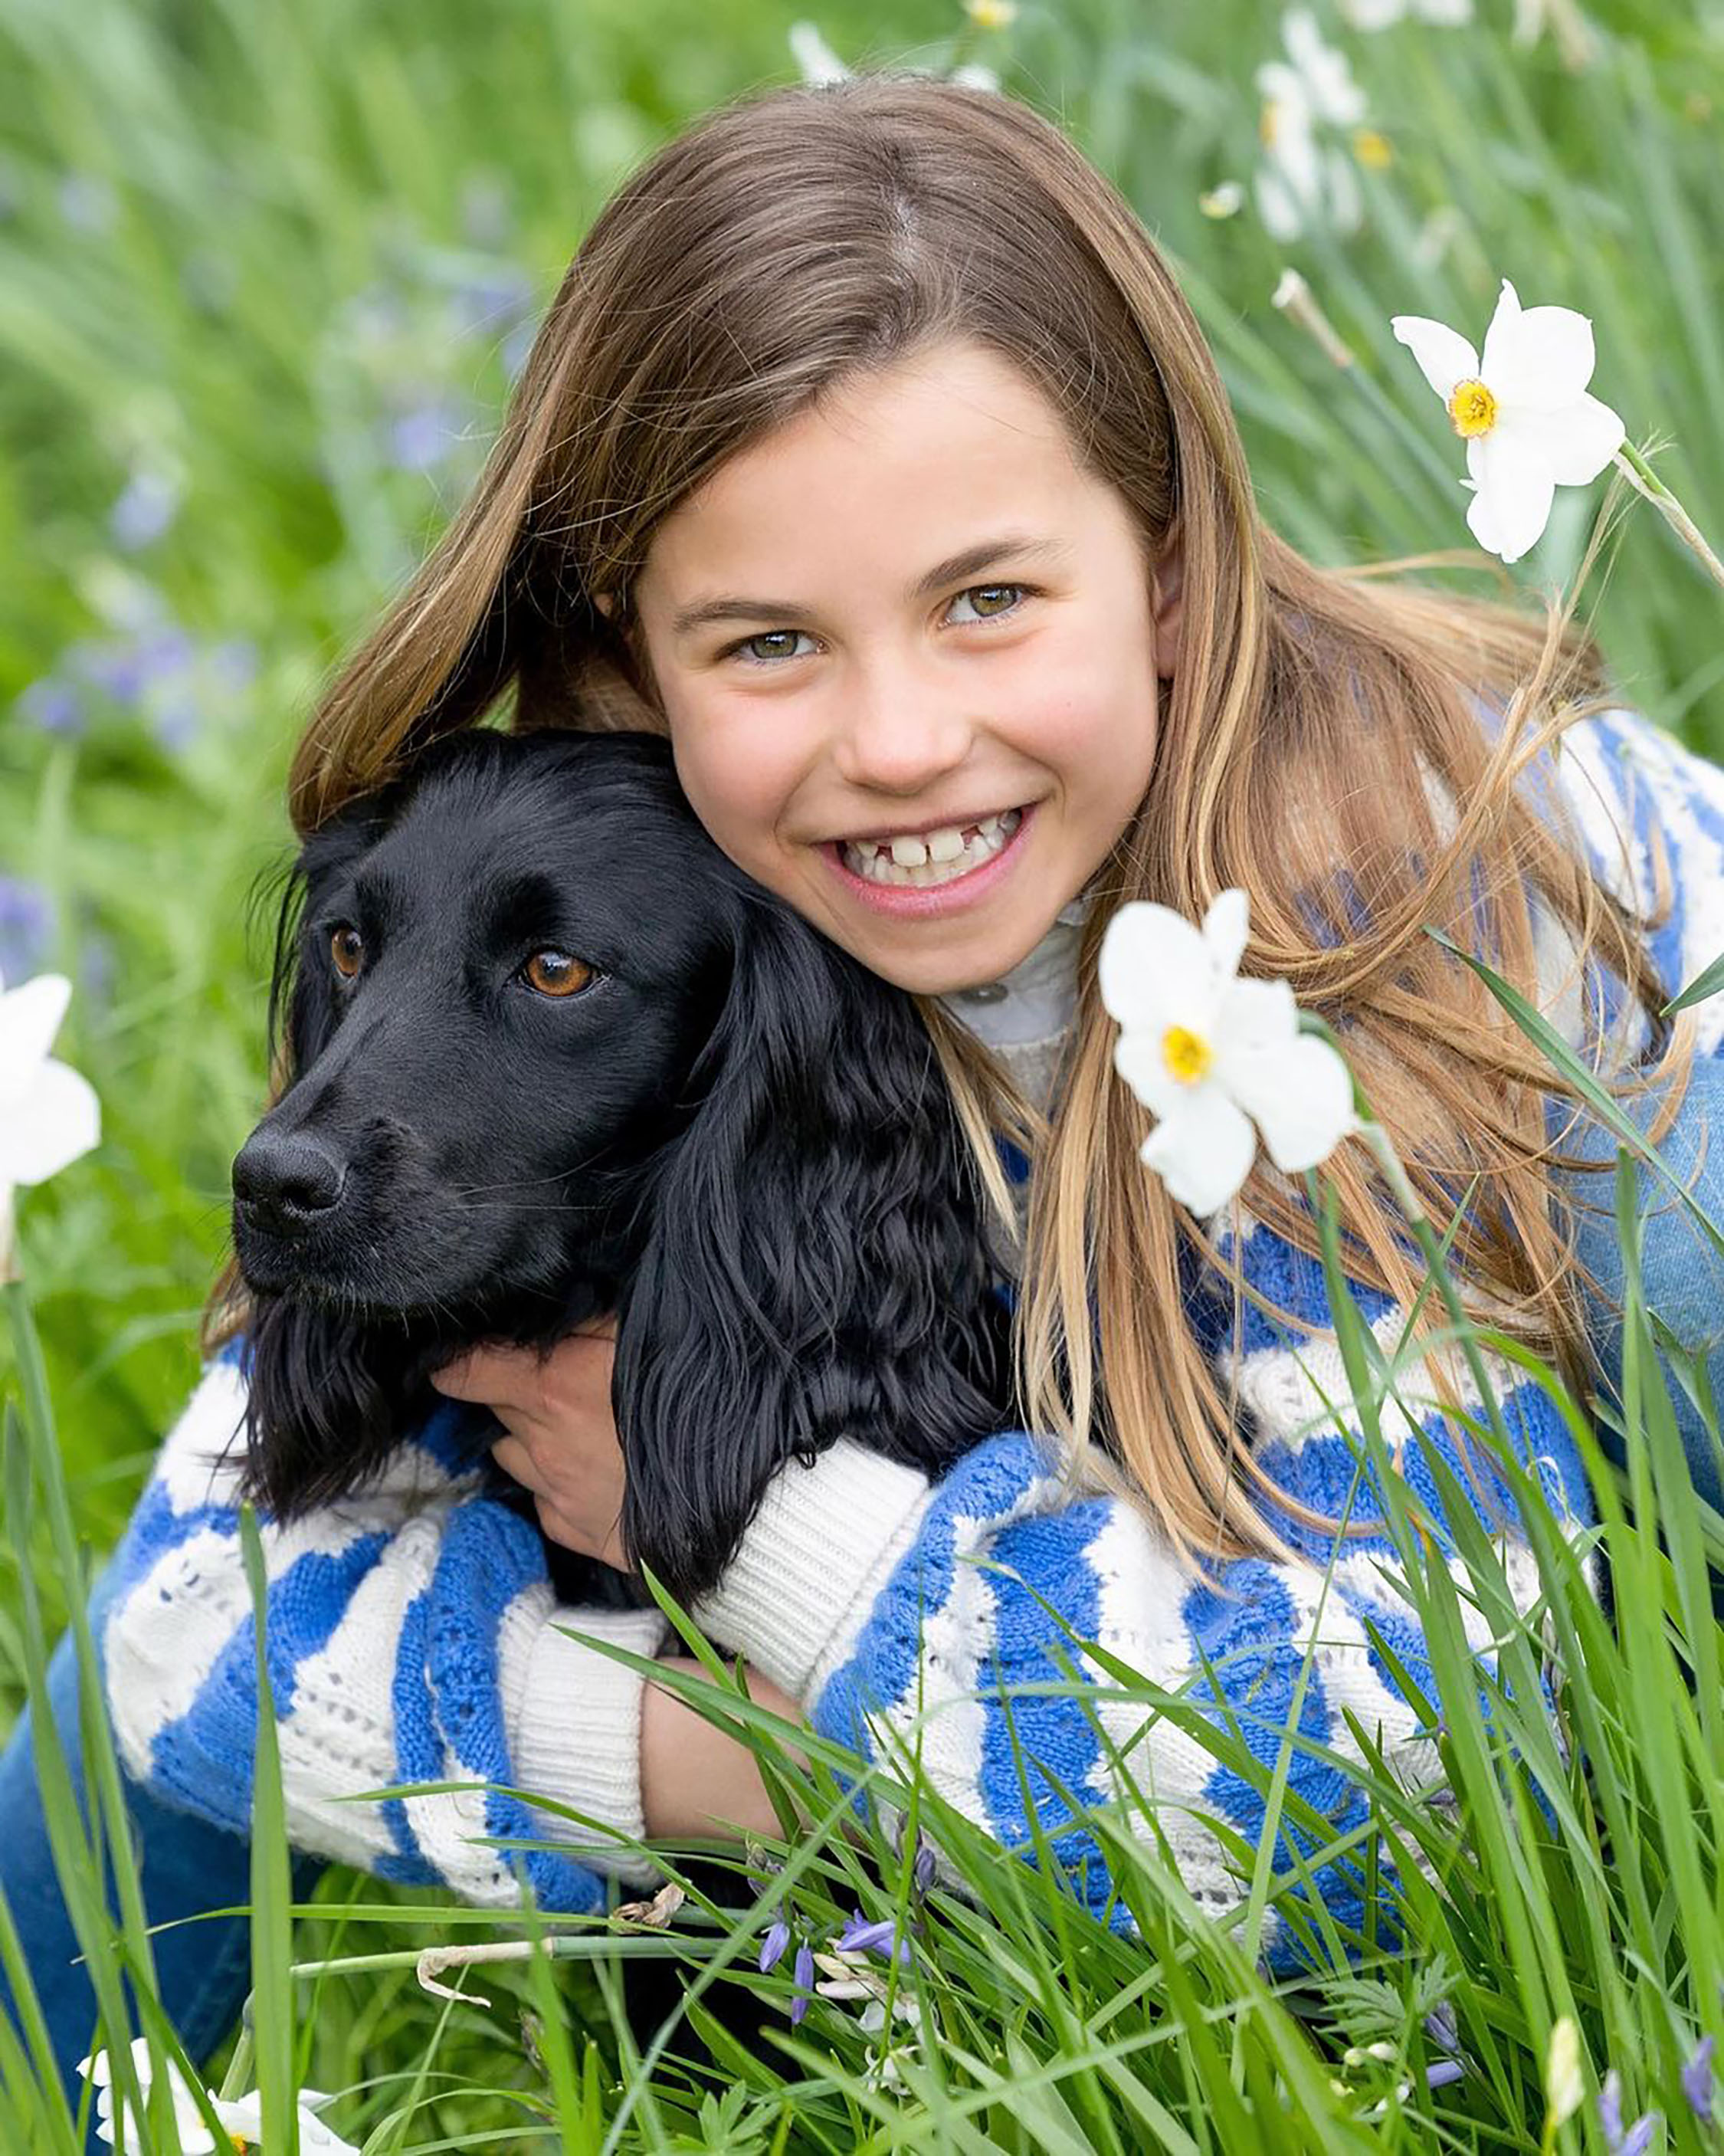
x,y
286,258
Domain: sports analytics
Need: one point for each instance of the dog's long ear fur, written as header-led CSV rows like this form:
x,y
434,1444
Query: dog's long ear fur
x,y
816,1263
325,1401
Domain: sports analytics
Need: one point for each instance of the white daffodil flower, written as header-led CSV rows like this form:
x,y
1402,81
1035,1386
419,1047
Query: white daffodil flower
x,y
1382,14
814,57
241,2119
1210,1054
1522,411
49,1114
1303,180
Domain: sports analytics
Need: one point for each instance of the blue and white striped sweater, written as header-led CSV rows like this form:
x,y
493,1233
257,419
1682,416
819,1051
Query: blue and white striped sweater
x,y
414,1635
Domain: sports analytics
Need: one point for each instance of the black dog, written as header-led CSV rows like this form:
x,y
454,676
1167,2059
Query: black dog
x,y
550,1054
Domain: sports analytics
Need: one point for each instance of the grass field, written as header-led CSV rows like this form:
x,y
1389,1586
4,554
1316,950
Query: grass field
x,y
264,276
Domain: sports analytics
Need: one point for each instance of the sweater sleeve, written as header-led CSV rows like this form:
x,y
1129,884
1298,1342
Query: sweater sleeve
x,y
412,1636
859,1584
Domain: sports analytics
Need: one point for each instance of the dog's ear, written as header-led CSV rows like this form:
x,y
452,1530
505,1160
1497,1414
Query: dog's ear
x,y
327,1403
816,1264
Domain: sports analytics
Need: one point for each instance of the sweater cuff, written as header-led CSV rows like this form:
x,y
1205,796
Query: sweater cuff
x,y
811,1563
578,1741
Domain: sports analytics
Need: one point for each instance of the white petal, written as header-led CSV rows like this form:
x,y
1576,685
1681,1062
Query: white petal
x,y
29,1018
1450,13
1540,358
1278,203
1205,1151
1301,1098
1444,354
1517,489
1371,14
1574,443
58,1118
1141,1062
1226,925
1255,1017
1155,970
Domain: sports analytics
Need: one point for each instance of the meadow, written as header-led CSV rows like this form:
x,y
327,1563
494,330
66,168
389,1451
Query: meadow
x,y
265,277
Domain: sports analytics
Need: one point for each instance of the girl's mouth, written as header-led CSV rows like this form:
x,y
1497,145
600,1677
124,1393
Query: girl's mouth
x,y
906,879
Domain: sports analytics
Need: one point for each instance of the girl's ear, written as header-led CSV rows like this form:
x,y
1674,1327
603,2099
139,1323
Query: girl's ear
x,y
815,1265
1166,596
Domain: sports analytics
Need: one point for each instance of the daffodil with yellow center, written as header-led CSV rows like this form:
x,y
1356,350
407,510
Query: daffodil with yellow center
x,y
1216,1060
1185,1053
1522,410
1472,408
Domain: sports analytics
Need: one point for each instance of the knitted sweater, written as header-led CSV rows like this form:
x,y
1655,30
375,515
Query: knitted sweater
x,y
413,1636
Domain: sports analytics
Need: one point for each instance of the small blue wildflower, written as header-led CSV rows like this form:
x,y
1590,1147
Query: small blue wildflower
x,y
26,929
424,436
145,510
804,1973
1697,2080
232,665
773,1947
490,299
922,1872
177,727
1637,2138
53,706
1442,2028
858,1936
1445,2072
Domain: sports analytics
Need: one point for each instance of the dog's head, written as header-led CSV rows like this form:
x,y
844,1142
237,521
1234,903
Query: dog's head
x,y
549,1053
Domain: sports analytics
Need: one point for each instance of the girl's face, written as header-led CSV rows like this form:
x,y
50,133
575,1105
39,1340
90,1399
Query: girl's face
x,y
904,613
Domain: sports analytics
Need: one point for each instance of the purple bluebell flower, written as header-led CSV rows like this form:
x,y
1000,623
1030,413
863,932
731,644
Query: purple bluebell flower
x,y
26,929
144,511
1445,2072
805,1982
860,1936
772,1946
1442,2028
53,706
177,726
1635,2141
1697,2080
425,435
491,300
922,1871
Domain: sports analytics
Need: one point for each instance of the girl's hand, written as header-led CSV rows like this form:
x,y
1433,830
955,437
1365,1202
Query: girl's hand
x,y
562,1442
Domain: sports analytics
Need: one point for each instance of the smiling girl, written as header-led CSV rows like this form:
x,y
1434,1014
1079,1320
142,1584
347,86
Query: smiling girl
x,y
870,450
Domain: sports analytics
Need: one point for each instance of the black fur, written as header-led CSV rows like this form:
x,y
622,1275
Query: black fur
x,y
735,1137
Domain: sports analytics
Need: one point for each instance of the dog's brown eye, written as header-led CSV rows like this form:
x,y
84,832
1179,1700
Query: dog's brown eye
x,y
555,974
346,947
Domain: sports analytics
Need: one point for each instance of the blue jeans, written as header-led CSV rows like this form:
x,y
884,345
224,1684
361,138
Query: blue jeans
x,y
1682,1276
203,1970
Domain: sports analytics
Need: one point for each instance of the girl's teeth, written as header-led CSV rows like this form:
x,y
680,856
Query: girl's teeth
x,y
939,858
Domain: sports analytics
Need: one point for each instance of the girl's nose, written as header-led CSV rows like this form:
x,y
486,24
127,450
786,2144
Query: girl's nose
x,y
901,733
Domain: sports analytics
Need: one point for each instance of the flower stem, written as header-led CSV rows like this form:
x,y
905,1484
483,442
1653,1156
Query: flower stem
x,y
1639,475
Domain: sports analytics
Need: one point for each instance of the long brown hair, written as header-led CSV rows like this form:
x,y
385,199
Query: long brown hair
x,y
1321,728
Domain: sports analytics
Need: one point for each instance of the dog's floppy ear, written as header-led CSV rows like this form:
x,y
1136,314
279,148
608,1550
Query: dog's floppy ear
x,y
816,1264
324,1404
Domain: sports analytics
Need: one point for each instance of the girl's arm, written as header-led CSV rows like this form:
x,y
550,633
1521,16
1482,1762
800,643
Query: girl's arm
x,y
857,1591
410,1638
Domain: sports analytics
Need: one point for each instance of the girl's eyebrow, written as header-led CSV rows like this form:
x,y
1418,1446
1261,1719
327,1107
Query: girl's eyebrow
x,y
1016,545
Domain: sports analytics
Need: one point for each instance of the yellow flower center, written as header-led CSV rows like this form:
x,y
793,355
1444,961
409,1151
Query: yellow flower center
x,y
1269,122
1186,1054
1372,149
1472,408
991,15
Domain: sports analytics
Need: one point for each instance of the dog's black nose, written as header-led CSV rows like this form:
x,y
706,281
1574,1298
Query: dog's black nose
x,y
283,1180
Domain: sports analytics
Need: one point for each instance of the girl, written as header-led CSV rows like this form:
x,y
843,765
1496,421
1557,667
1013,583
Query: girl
x,y
870,450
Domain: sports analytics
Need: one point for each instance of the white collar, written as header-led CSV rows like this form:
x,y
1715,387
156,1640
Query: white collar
x,y
1038,998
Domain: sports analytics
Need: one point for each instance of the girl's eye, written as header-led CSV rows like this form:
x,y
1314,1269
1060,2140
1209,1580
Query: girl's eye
x,y
982,597
555,974
346,947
